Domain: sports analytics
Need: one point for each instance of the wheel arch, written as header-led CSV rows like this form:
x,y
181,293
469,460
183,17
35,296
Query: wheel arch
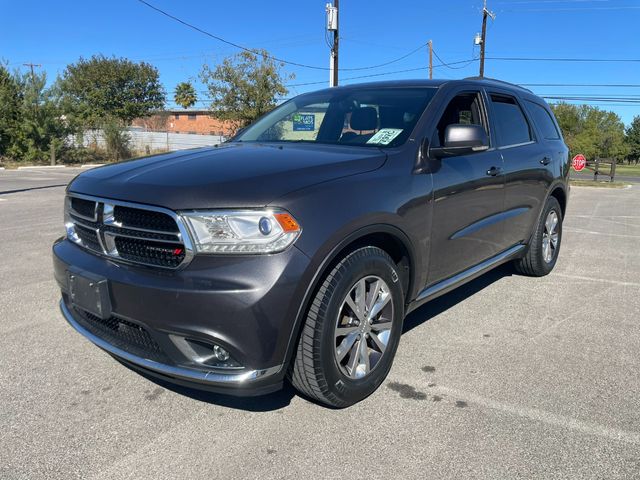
x,y
386,237
557,190
559,193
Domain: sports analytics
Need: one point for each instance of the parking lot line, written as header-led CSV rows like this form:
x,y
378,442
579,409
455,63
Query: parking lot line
x,y
596,279
606,234
544,416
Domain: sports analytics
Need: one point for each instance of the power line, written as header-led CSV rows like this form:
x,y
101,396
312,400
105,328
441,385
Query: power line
x,y
246,49
604,85
534,59
570,9
384,73
449,65
600,104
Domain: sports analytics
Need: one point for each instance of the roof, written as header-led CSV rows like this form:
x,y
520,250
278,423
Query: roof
x,y
433,83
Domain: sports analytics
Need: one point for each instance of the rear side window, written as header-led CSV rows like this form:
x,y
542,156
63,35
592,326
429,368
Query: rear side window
x,y
510,122
543,120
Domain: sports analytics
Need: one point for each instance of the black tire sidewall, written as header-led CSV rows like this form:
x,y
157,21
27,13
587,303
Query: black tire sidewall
x,y
347,390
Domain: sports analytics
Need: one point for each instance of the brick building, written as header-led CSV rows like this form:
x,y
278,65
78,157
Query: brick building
x,y
185,121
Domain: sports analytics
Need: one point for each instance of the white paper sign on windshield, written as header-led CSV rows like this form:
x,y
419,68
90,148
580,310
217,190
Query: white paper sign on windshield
x,y
385,136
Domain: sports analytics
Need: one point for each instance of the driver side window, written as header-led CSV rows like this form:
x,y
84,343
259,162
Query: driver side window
x,y
464,109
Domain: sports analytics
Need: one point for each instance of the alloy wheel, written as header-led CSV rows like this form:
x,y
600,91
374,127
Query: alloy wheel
x,y
363,327
550,237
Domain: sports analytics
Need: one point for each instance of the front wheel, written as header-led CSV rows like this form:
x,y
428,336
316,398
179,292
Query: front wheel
x,y
544,247
352,330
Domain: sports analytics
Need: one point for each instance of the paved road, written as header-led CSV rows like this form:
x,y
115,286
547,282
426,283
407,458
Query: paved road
x,y
507,377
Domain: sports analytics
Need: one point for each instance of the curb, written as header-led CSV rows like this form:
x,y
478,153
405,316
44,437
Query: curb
x,y
41,167
1,168
92,165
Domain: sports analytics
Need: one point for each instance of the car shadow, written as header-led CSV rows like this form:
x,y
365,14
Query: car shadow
x,y
281,399
264,403
442,304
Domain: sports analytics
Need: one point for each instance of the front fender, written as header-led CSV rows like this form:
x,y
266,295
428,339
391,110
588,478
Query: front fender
x,y
337,214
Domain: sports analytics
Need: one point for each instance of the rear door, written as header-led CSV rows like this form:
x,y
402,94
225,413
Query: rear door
x,y
468,193
525,166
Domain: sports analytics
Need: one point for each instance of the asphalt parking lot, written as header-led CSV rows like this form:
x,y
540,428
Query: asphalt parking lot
x,y
507,377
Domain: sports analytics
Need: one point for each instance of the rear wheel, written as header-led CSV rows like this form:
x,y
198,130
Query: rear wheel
x,y
544,247
352,330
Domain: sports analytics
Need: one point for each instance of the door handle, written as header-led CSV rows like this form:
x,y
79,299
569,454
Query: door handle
x,y
493,171
545,161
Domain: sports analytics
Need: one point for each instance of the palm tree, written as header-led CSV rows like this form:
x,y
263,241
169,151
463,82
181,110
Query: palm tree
x,y
185,95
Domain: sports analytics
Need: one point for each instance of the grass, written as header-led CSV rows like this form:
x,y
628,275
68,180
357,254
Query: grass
x,y
591,183
631,170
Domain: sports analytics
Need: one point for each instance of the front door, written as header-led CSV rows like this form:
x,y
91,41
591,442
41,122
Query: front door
x,y
468,195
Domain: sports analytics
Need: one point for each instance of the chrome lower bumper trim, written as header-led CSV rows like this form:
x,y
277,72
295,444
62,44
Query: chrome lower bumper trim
x,y
199,376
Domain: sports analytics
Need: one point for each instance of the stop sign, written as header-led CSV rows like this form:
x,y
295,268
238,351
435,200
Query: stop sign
x,y
579,162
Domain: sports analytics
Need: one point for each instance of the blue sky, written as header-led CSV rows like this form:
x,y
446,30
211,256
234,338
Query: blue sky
x,y
54,34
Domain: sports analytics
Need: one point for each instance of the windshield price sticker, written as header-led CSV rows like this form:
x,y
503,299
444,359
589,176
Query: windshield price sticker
x,y
385,136
303,122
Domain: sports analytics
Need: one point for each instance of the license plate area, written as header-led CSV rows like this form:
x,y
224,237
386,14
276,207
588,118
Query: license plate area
x,y
89,292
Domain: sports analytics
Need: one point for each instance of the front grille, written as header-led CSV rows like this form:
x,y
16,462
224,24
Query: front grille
x,y
148,220
155,253
86,208
88,237
134,234
125,335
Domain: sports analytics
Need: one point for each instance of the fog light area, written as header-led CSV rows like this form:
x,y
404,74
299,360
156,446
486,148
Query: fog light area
x,y
204,353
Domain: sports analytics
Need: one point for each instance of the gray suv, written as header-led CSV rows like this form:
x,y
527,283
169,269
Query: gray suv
x,y
295,250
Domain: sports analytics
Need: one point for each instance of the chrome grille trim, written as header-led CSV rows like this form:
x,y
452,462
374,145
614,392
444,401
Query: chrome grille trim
x,y
104,217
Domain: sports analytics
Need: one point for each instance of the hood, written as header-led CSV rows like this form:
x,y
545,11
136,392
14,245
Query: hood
x,y
232,175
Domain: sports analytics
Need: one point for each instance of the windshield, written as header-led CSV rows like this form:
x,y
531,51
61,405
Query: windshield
x,y
374,117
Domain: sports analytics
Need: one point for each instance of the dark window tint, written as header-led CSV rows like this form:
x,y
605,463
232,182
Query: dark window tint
x,y
463,109
191,116
510,122
543,120
177,116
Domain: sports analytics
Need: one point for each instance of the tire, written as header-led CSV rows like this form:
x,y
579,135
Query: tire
x,y
318,371
534,263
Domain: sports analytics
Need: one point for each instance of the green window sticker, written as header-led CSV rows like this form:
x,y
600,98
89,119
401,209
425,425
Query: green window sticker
x,y
385,136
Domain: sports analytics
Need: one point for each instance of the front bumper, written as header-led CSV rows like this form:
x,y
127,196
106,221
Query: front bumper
x,y
180,375
248,305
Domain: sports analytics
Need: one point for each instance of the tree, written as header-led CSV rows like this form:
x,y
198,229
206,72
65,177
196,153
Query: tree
x,y
245,86
633,140
101,88
10,99
117,140
185,95
593,132
42,124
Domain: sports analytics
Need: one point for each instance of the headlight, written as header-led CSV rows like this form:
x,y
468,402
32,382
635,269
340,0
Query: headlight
x,y
248,231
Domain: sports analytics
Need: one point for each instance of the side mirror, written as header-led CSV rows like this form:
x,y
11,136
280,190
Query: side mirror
x,y
462,140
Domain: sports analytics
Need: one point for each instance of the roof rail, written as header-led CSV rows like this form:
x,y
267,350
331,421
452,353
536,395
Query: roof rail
x,y
495,80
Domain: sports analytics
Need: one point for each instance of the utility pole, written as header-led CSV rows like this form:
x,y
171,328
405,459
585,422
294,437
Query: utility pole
x,y
430,59
32,65
33,83
483,41
332,26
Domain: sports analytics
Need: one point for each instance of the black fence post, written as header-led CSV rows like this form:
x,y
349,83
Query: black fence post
x,y
595,172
